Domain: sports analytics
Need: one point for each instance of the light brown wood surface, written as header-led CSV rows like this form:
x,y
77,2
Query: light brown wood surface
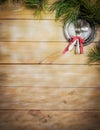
x,y
40,52
40,88
49,98
50,75
15,14
49,120
31,30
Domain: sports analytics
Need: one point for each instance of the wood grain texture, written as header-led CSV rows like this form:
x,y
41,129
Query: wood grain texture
x,y
40,52
22,13
49,120
50,75
49,98
31,30
41,89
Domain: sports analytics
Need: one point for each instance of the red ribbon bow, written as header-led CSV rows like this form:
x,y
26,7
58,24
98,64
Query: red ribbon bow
x,y
81,41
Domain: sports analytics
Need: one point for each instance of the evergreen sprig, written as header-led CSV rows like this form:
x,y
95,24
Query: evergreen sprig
x,y
37,5
73,9
94,54
90,10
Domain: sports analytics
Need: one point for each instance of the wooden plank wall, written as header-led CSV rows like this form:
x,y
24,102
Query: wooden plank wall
x,y
41,89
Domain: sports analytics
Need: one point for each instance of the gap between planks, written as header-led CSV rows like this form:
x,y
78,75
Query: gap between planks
x,y
67,110
48,64
49,87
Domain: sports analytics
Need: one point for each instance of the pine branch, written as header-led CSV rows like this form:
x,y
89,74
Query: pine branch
x,y
37,5
71,10
94,54
89,10
65,9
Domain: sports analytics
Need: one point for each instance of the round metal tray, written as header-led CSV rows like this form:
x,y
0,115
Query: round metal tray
x,y
81,28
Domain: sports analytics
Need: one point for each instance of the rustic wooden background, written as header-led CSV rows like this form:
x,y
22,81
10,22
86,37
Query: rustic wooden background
x,y
41,89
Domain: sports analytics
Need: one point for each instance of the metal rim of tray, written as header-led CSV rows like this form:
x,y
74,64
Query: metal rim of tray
x,y
84,29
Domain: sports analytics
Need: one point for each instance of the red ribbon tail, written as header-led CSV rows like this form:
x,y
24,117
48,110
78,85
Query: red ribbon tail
x,y
81,45
65,50
81,48
81,41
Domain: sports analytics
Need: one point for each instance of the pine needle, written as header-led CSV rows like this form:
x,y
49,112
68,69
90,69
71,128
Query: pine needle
x,y
90,10
65,9
37,5
71,10
94,54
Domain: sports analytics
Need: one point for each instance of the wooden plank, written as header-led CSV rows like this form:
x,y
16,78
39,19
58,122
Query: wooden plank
x,y
22,13
49,120
31,30
49,98
50,75
40,52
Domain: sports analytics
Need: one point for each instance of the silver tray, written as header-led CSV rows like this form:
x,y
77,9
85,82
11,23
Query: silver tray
x,y
81,28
